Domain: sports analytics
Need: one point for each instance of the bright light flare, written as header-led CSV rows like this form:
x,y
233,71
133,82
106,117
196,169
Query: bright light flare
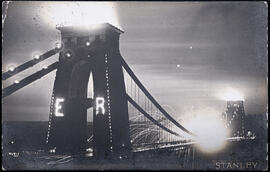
x,y
11,69
58,45
68,54
231,94
79,13
36,56
87,43
16,82
209,129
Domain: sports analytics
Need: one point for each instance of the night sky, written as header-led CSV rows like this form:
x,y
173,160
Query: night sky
x,y
185,53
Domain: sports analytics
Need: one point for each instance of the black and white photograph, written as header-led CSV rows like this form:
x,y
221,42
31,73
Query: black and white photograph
x,y
135,85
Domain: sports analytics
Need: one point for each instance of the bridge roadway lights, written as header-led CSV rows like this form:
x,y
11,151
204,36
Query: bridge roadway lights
x,y
86,50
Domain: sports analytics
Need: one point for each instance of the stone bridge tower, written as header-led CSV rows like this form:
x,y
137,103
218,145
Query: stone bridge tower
x,y
90,49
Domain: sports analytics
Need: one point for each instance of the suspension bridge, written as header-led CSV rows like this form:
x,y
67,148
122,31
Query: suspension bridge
x,y
127,119
126,116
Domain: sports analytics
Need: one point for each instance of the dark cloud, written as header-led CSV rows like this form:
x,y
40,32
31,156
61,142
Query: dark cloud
x,y
228,43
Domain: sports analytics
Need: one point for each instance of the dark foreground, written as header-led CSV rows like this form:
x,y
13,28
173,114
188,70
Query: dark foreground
x,y
24,143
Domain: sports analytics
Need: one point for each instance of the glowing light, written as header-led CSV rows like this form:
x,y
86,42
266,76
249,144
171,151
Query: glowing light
x,y
16,82
52,150
190,47
87,43
100,109
210,130
36,56
230,94
11,69
178,65
58,45
58,107
68,54
79,13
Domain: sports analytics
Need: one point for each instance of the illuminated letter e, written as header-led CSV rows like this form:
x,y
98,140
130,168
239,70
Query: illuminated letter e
x,y
58,107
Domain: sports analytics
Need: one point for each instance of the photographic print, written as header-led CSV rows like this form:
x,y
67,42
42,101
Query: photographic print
x,y
139,85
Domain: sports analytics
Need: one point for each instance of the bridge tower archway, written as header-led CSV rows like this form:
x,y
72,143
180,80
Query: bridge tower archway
x,y
93,50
